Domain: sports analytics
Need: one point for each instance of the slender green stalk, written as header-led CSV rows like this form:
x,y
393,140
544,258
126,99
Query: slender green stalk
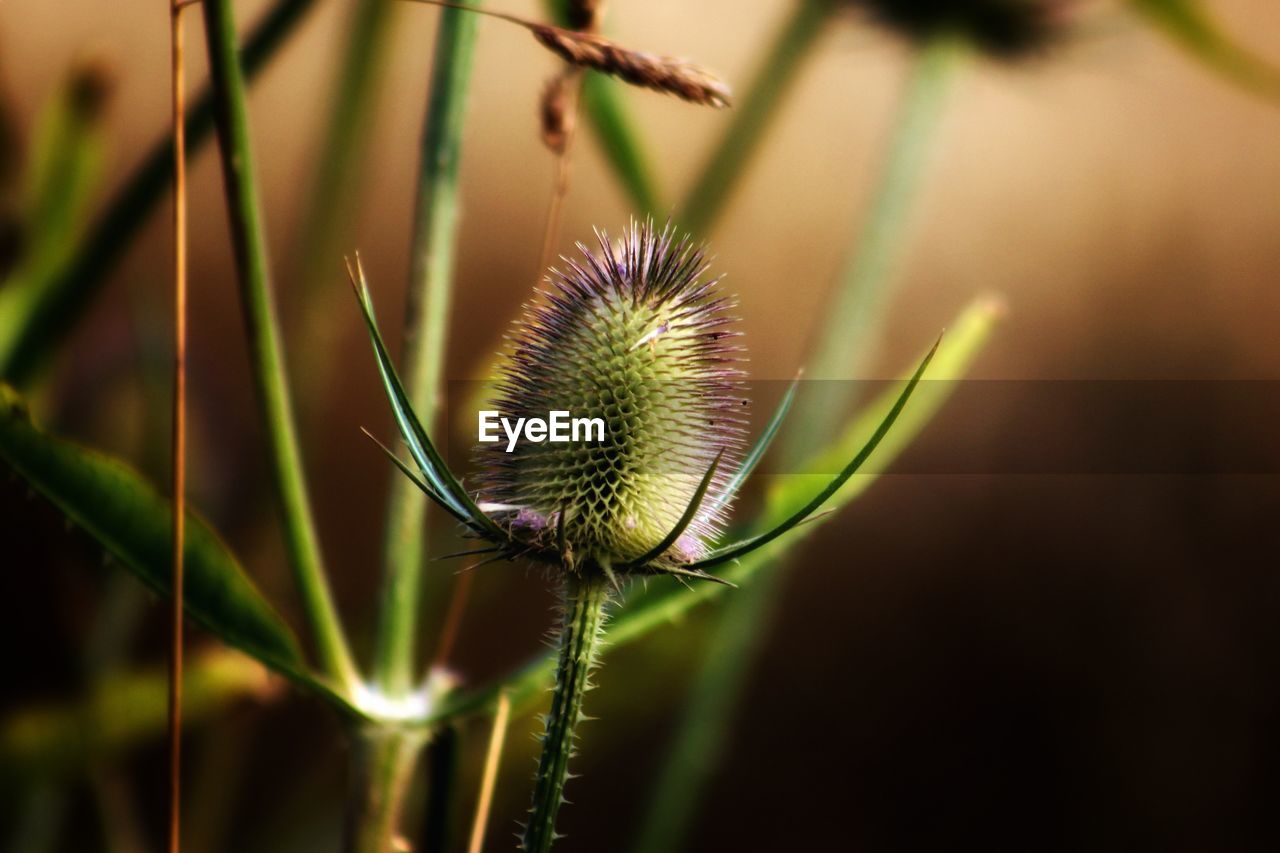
x,y
267,357
585,599
845,340
435,235
619,142
848,338
706,726
70,292
382,769
752,117
329,211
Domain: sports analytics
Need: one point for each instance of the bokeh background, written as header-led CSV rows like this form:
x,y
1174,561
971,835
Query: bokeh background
x,y
1072,654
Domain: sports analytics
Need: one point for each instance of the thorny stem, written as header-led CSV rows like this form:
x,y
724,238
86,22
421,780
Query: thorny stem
x,y
66,297
382,768
584,606
267,357
426,326
753,115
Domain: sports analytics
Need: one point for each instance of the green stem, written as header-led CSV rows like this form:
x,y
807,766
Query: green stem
x,y
331,206
846,339
719,175
435,235
585,599
706,725
619,141
267,357
382,768
849,337
46,321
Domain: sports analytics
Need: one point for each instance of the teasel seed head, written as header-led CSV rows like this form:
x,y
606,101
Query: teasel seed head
x,y
1003,29
634,335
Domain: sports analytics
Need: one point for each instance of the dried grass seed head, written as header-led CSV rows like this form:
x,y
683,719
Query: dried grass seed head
x,y
677,77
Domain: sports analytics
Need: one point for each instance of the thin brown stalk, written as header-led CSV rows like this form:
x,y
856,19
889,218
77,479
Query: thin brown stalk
x,y
453,619
666,74
488,781
178,93
568,93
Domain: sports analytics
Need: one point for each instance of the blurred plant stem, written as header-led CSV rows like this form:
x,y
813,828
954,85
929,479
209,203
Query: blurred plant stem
x,y
719,175
843,344
68,293
331,204
435,236
849,337
266,354
1192,27
60,177
382,767
121,710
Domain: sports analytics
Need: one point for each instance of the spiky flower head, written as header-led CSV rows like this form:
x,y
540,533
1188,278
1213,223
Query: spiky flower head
x,y
632,334
1005,29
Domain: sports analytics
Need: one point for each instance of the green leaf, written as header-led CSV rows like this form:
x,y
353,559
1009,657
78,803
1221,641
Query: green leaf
x,y
430,462
1190,26
759,449
132,521
806,508
60,179
120,711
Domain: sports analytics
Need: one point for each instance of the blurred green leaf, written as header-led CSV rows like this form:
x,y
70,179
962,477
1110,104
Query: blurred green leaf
x,y
25,347
123,710
124,514
63,170
1188,24
664,603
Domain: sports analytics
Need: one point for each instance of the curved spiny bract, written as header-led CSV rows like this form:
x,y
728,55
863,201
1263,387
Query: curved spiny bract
x,y
633,335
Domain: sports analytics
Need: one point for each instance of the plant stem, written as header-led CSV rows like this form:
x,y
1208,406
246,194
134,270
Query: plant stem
x,y
435,235
382,768
719,175
585,599
489,779
699,743
178,94
620,143
848,338
734,646
46,320
330,210
267,357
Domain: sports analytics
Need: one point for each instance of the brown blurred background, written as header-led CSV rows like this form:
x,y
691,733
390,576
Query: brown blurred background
x,y
1050,661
